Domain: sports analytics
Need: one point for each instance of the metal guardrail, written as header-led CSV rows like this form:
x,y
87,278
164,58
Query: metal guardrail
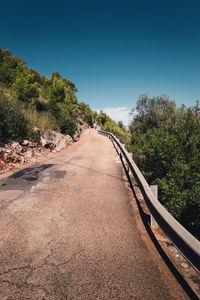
x,y
184,241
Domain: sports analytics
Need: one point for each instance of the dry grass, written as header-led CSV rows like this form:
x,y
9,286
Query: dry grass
x,y
41,120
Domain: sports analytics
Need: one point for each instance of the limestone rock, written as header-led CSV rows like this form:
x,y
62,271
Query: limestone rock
x,y
75,137
16,147
78,132
53,140
25,143
69,139
27,155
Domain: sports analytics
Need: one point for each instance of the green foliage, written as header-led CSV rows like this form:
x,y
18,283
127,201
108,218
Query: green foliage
x,y
112,127
36,76
57,91
40,118
68,126
45,87
87,113
55,75
70,96
25,88
9,67
152,112
88,118
69,85
13,125
102,118
55,109
60,92
118,129
41,105
47,102
121,126
168,155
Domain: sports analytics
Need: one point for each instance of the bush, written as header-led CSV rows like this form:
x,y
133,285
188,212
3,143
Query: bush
x,y
169,156
41,105
13,125
24,86
68,126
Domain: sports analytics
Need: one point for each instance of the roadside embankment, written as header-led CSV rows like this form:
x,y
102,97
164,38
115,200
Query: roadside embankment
x,y
13,155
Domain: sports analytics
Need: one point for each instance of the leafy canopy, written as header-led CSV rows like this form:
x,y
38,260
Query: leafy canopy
x,y
165,143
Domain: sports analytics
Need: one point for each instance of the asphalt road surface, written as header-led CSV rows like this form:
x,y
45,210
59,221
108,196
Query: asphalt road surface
x,y
68,231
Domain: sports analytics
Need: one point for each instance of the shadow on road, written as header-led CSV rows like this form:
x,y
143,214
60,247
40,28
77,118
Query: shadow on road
x,y
99,172
24,179
146,221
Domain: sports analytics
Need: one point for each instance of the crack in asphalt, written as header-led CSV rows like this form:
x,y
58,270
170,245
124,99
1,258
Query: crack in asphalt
x,y
15,269
76,238
61,279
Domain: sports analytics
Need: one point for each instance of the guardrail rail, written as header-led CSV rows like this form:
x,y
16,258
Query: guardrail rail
x,y
183,240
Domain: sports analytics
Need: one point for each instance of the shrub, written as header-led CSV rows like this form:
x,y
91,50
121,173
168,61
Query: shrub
x,y
169,156
24,87
68,126
13,124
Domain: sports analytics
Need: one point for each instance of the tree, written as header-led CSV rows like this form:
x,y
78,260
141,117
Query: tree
x,y
36,76
69,84
57,91
152,112
88,118
70,96
168,155
68,126
24,87
121,126
102,118
9,67
55,75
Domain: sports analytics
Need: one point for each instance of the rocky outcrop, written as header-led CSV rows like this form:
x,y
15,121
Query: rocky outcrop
x,y
79,130
53,140
13,155
69,139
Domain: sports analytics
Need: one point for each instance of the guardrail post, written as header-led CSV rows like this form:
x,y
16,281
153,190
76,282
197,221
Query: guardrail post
x,y
154,189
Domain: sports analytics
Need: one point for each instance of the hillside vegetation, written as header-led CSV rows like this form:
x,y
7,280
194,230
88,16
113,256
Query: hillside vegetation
x,y
165,142
28,99
164,139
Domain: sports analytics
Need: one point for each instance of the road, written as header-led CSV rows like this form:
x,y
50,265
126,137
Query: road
x,y
69,231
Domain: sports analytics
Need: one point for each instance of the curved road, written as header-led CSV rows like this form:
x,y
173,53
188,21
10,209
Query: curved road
x,y
69,231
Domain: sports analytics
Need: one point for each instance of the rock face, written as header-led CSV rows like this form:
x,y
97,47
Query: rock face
x,y
13,154
53,140
78,132
69,139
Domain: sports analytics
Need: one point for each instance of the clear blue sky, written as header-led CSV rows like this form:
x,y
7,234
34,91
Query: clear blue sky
x,y
112,50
